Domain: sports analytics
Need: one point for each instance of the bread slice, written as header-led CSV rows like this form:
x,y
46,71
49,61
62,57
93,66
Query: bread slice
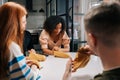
x,y
35,62
81,59
38,57
61,54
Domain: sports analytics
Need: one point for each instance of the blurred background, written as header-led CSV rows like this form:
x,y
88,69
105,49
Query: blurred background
x,y
71,10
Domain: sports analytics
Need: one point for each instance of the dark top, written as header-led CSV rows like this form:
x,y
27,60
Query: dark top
x,y
27,43
109,75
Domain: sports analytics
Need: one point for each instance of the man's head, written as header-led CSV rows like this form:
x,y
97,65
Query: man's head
x,y
102,24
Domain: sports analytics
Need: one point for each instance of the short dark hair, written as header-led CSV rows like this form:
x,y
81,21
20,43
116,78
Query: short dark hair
x,y
104,22
51,22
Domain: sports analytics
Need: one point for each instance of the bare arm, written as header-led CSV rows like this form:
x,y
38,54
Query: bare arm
x,y
68,70
48,51
65,49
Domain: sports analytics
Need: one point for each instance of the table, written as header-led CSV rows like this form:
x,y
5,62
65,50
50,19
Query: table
x,y
53,68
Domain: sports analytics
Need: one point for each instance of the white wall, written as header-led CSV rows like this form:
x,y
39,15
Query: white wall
x,y
3,1
35,19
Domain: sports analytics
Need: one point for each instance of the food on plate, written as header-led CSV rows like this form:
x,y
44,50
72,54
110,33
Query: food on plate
x,y
81,58
61,54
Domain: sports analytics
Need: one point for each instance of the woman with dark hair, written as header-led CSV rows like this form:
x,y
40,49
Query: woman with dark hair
x,y
54,36
13,65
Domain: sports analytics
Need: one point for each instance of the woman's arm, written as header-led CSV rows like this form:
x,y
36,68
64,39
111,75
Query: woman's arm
x,y
65,43
43,39
47,51
18,68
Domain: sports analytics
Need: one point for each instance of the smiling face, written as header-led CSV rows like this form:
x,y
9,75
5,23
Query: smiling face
x,y
57,29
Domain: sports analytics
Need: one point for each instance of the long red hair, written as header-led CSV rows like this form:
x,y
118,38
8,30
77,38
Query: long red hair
x,y
11,14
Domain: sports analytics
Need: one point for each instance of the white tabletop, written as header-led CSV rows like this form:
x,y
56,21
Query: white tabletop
x,y
53,68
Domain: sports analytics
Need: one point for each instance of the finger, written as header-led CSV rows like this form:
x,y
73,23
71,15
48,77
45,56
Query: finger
x,y
89,52
56,48
33,50
74,70
27,58
29,61
29,64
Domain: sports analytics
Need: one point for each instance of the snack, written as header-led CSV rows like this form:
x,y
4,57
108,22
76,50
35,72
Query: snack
x,y
61,54
38,57
81,59
36,63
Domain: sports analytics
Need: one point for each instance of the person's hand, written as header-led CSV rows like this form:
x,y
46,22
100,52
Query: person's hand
x,y
55,48
68,70
32,51
86,49
29,62
82,57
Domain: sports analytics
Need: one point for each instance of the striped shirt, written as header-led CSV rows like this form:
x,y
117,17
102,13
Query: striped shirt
x,y
18,69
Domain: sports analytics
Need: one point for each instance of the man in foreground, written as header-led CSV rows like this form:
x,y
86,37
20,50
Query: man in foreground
x,y
102,25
